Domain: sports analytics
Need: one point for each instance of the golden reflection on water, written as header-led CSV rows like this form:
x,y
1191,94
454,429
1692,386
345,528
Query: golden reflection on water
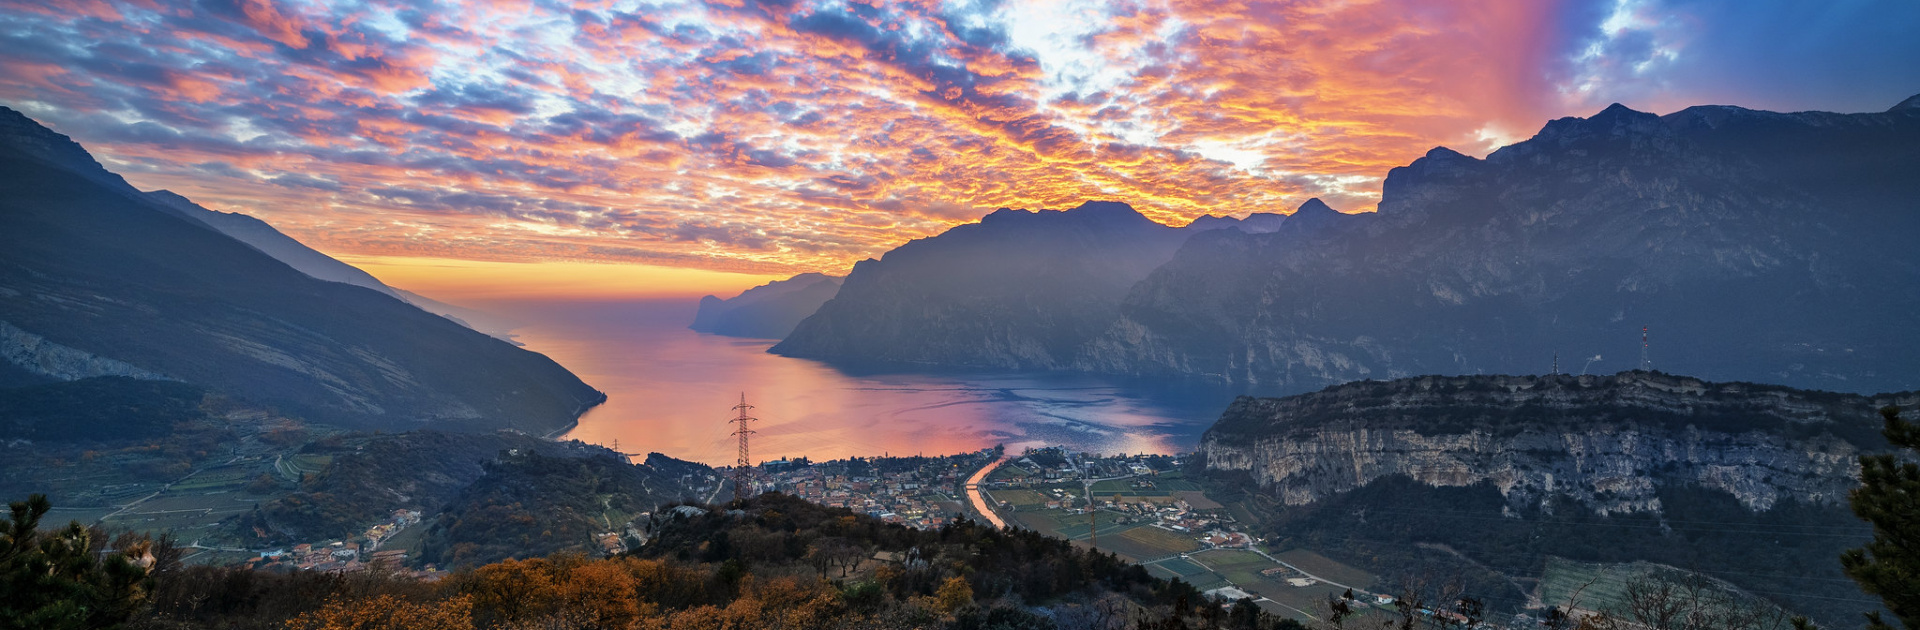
x,y
670,390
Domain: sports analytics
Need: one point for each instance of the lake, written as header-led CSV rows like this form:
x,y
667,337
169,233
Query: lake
x,y
671,390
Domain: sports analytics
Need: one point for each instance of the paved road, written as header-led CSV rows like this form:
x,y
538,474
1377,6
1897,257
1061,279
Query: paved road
x,y
979,499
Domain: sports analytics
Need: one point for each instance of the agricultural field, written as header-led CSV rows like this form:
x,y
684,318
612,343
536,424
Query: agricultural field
x,y
1188,571
1175,485
1146,542
295,467
1124,487
1242,567
1197,499
188,515
1319,565
1043,521
1009,472
1311,600
1598,586
1019,499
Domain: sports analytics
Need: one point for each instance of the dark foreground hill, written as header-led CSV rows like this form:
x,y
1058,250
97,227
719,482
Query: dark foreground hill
x,y
1503,472
770,562
99,279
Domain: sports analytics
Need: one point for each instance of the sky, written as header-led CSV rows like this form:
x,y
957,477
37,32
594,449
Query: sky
x,y
480,148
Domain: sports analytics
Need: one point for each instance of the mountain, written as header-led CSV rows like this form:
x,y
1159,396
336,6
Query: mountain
x,y
768,311
1256,223
1638,466
1605,442
1757,246
1016,290
100,279
262,236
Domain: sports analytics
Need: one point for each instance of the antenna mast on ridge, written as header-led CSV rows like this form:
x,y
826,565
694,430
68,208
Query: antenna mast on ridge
x,y
1645,363
742,469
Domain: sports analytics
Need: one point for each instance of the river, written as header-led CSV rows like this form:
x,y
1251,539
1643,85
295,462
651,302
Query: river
x,y
670,390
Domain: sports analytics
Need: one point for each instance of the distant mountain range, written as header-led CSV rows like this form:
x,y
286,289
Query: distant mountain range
x,y
1756,246
1018,290
100,279
768,311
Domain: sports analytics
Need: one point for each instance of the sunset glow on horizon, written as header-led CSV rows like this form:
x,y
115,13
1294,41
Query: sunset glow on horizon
x,y
471,150
468,282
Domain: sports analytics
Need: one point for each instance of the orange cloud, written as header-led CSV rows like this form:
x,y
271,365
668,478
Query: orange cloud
x,y
742,139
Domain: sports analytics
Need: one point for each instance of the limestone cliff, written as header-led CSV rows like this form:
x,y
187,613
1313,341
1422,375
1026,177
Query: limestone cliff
x,y
1606,442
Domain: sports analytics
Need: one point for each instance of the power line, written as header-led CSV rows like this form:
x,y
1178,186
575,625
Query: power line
x,y
743,469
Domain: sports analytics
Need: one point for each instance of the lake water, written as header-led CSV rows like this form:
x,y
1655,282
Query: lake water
x,y
671,389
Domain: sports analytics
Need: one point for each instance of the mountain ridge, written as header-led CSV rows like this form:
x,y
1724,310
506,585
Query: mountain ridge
x,y
967,296
1757,246
768,311
95,266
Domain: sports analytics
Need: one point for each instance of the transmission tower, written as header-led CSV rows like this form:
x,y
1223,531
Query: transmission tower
x,y
1645,363
743,469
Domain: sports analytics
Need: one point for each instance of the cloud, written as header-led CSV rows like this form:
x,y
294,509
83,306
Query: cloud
x,y
805,135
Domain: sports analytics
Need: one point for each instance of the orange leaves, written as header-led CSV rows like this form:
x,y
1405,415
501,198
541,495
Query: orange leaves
x,y
385,612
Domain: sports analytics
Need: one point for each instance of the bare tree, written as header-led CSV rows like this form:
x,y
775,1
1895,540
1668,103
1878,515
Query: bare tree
x,y
1677,600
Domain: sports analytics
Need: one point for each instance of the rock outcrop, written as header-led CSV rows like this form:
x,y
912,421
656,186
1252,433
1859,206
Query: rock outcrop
x,y
1606,442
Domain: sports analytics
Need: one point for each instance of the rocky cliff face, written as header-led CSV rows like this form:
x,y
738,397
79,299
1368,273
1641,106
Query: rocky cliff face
x,y
1606,442
1757,246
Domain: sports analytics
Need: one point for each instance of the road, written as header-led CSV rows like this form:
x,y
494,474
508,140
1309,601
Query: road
x,y
979,499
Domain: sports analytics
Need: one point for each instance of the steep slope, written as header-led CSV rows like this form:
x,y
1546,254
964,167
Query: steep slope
x,y
1757,246
1501,472
1018,290
101,280
262,236
768,311
1605,442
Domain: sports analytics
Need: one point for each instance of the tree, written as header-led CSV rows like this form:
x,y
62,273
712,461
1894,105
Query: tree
x,y
385,612
953,594
1670,600
1889,498
54,582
